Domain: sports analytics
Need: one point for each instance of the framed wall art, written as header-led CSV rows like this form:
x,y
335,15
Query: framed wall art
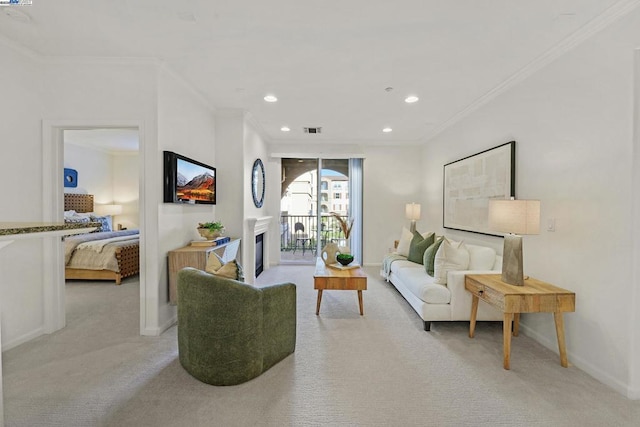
x,y
470,182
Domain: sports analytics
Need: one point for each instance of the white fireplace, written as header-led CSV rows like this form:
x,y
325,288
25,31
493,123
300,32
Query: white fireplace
x,y
255,227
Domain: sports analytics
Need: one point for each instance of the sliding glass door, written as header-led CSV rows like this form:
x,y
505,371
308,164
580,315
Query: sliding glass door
x,y
319,197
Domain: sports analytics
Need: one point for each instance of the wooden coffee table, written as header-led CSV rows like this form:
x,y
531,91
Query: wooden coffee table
x,y
330,278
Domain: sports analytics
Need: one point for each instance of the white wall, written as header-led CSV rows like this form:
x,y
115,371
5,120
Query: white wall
x,y
20,109
229,153
91,91
95,172
126,187
186,125
573,124
110,177
392,178
84,93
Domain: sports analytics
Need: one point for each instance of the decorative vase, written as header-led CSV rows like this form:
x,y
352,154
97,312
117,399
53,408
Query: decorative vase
x,y
344,249
329,253
208,234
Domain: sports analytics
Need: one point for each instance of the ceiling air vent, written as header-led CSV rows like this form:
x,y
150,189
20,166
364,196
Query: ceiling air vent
x,y
313,130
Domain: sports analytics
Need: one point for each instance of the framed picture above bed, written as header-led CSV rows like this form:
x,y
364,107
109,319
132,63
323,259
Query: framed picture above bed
x,y
470,182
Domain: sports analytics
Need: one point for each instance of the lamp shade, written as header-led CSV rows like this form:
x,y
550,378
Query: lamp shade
x,y
515,216
412,211
110,209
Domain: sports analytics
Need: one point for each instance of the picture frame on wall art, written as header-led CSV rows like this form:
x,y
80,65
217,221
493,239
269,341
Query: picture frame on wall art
x,y
470,183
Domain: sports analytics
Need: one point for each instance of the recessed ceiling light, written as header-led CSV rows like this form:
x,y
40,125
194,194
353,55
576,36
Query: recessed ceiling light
x,y
387,130
270,98
411,99
285,129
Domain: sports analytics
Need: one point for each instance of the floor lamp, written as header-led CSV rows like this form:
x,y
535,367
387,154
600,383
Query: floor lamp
x,y
412,211
515,217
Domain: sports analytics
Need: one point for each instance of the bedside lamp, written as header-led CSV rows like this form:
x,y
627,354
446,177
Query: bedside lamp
x,y
110,209
412,211
515,217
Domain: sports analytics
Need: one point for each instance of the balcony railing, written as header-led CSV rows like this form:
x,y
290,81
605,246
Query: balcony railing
x,y
299,232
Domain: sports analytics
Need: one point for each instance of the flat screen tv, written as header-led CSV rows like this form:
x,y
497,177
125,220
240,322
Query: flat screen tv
x,y
188,181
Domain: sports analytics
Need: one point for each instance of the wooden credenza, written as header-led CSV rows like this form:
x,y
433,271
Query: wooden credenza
x,y
196,257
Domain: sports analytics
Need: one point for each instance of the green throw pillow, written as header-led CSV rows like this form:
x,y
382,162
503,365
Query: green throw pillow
x,y
418,245
430,256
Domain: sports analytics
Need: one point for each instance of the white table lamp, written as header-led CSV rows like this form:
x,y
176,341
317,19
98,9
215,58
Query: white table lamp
x,y
109,209
515,217
412,211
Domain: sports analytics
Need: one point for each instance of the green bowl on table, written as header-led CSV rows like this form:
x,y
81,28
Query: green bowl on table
x,y
344,259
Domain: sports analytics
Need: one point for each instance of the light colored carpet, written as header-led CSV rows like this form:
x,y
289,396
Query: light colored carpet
x,y
380,369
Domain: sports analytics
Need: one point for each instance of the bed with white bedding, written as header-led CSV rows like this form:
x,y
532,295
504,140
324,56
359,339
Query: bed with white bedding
x,y
105,255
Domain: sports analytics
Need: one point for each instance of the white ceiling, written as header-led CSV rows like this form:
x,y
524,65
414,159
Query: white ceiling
x,y
327,61
109,140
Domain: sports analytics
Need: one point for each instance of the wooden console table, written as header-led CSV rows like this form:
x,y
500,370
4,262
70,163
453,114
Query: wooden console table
x,y
534,297
196,257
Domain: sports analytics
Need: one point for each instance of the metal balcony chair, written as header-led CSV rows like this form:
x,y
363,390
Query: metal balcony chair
x,y
301,237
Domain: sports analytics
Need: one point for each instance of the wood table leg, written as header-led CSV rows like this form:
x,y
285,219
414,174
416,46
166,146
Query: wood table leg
x,y
557,316
319,300
474,312
506,338
516,324
360,303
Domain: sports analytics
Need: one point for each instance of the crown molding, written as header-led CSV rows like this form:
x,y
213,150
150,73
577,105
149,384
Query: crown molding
x,y
585,32
230,112
314,140
21,49
255,124
108,60
187,86
101,60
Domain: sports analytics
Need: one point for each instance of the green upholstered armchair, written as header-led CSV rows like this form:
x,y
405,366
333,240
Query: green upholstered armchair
x,y
230,332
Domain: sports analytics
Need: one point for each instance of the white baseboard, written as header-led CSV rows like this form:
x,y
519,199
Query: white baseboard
x,y
634,393
594,371
168,324
22,339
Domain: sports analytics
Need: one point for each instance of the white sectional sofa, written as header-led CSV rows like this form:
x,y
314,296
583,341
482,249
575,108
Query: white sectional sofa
x,y
435,302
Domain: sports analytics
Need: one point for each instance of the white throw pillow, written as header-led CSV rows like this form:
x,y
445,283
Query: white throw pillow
x,y
481,257
450,257
405,242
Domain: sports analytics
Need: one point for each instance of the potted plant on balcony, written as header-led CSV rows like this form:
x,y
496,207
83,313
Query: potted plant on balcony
x,y
210,230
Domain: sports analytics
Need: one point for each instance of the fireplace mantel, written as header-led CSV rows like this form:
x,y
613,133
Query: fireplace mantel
x,y
259,225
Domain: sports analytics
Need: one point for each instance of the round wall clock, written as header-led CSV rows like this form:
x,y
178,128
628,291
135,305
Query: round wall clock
x,y
257,183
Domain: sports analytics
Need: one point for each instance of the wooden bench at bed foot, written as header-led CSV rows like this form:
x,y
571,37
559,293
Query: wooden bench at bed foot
x,y
128,258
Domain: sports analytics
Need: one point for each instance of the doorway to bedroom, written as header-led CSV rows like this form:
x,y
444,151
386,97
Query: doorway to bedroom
x,y
101,184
